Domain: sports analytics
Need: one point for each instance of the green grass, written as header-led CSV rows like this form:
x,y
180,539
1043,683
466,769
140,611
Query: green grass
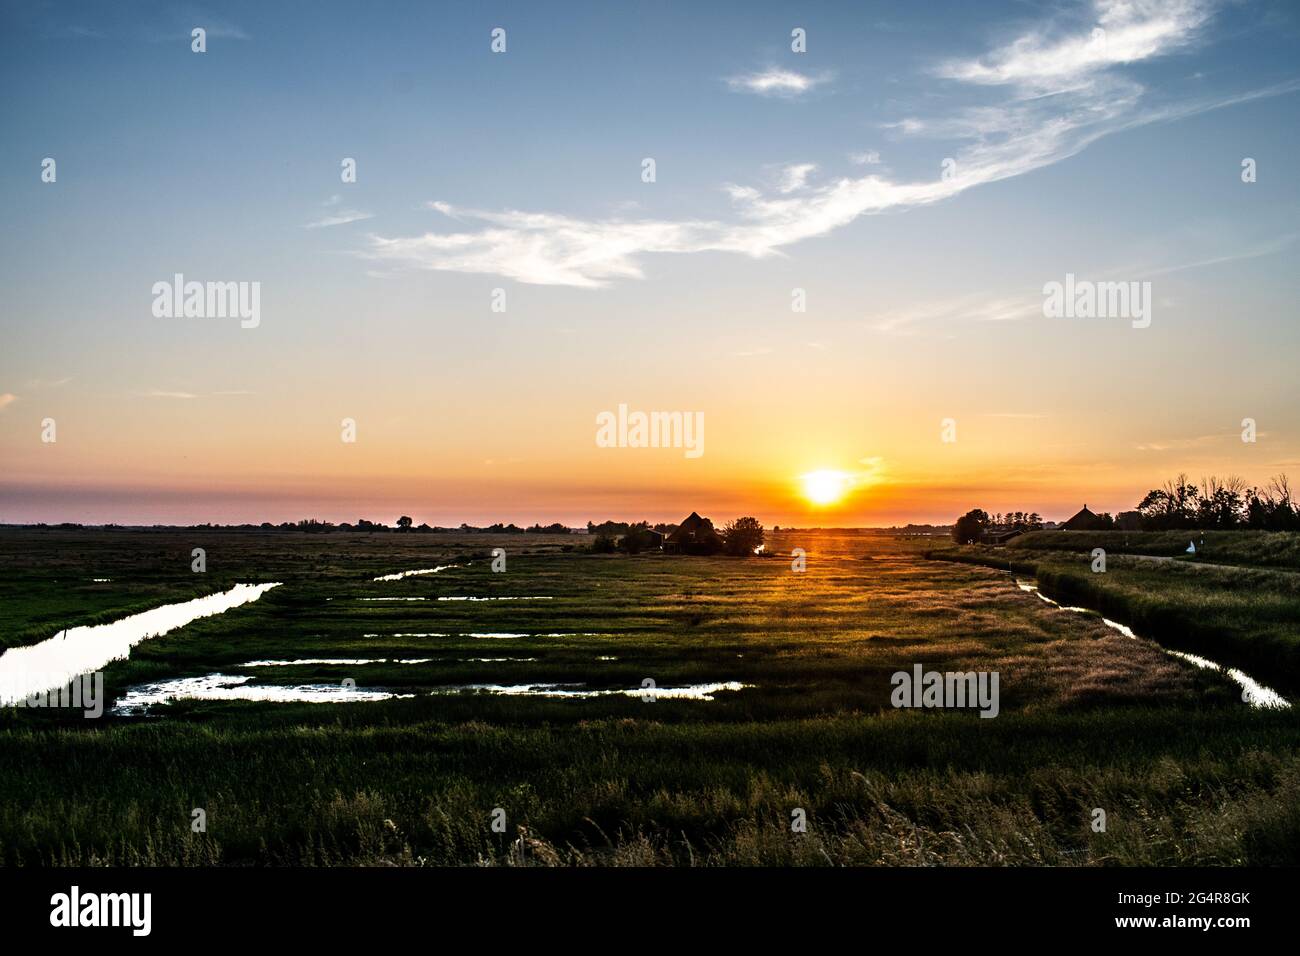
x,y
1238,616
1263,549
1185,772
1194,788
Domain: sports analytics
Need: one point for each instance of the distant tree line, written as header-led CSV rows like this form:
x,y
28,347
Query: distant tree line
x,y
615,528
975,523
403,524
741,537
1017,521
1217,504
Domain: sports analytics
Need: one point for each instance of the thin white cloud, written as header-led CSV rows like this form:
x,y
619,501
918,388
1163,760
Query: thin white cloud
x,y
986,307
1255,251
6,399
340,218
186,396
334,215
774,82
979,307
868,157
1170,444
794,178
183,18
1022,132
1124,31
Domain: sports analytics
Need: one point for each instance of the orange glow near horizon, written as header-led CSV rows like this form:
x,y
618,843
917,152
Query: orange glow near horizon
x,y
277,456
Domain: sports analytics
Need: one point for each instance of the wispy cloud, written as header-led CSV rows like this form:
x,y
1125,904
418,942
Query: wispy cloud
x,y
340,218
187,396
7,399
1256,250
987,307
1063,95
182,18
335,216
1125,31
794,178
1170,444
979,307
775,82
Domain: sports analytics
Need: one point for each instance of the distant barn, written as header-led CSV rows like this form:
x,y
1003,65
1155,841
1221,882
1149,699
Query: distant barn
x,y
1085,520
695,535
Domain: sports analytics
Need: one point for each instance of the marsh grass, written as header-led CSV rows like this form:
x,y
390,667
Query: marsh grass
x,y
1263,549
1089,719
1239,616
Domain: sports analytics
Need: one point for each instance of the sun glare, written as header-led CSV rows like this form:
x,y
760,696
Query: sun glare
x,y
825,487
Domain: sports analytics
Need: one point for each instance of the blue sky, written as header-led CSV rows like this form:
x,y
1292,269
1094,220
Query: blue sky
x,y
1114,158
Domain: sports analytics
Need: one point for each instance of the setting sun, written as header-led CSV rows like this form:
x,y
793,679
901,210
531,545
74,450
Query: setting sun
x,y
825,487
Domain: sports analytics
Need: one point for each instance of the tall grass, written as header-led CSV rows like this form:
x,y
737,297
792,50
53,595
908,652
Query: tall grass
x,y
1089,719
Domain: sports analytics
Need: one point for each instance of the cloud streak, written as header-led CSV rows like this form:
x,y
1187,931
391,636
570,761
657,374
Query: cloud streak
x,y
340,218
775,82
334,215
1058,93
1126,31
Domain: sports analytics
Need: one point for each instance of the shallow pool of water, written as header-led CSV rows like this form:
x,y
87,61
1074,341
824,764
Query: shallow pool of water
x,y
138,699
55,662
410,574
691,692
339,661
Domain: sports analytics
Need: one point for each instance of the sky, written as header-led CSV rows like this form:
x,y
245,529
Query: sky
x,y
503,269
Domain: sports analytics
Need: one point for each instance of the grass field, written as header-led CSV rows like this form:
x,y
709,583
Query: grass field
x,y
1088,719
1256,549
1244,614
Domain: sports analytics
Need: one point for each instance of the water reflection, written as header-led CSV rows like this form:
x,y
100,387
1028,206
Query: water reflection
x,y
138,699
691,692
25,671
410,574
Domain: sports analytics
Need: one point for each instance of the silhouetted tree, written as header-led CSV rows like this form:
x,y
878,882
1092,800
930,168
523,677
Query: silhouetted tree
x,y
742,536
970,526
